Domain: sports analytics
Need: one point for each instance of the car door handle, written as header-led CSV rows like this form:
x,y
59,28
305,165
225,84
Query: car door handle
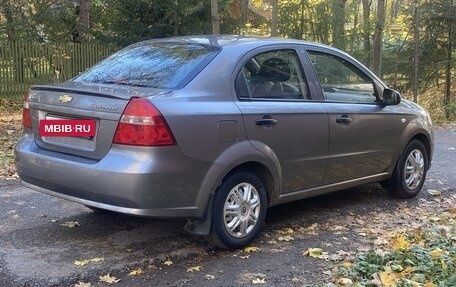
x,y
344,119
266,122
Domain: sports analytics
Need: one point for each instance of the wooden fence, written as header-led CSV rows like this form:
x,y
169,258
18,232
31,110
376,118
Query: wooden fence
x,y
26,63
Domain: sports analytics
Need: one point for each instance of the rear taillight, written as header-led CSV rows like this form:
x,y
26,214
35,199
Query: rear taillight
x,y
26,115
142,124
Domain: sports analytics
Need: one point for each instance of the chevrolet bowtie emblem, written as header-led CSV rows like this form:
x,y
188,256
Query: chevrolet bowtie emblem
x,y
65,98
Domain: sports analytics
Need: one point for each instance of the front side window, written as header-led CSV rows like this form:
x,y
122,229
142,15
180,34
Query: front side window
x,y
272,75
340,80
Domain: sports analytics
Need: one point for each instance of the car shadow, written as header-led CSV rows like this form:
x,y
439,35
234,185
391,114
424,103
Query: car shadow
x,y
319,209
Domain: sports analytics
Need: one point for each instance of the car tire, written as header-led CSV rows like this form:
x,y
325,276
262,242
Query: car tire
x,y
238,211
410,172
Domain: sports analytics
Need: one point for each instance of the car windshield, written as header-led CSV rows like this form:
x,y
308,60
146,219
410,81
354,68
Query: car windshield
x,y
165,65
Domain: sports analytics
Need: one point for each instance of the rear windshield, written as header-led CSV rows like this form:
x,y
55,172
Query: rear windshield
x,y
164,65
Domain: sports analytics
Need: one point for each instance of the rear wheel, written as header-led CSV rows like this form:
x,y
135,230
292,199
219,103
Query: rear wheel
x,y
239,209
410,173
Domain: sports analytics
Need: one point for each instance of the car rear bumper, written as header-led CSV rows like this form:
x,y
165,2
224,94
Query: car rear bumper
x,y
143,181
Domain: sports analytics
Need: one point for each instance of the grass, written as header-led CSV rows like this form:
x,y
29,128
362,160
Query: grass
x,y
425,257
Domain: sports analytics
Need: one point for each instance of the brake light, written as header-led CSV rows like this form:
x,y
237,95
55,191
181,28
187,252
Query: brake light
x,y
26,114
142,124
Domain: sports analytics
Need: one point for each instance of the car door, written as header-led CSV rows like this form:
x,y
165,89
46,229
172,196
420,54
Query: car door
x,y
363,132
281,118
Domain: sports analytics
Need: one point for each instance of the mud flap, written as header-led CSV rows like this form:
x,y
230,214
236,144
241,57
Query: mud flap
x,y
201,226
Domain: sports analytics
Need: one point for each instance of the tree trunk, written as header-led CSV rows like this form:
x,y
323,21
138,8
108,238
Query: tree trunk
x,y
447,97
215,18
378,38
354,36
274,24
244,12
9,25
83,21
416,53
366,33
338,23
394,9
303,19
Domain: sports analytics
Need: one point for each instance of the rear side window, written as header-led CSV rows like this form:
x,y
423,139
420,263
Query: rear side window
x,y
273,75
164,65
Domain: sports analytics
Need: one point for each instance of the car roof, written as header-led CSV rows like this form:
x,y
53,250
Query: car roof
x,y
233,40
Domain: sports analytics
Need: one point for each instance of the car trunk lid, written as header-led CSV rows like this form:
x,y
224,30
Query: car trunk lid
x,y
103,104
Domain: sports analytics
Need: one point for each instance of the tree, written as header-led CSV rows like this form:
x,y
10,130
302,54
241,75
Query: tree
x,y
244,11
338,23
82,30
366,32
416,52
274,21
127,21
437,57
378,38
215,18
6,9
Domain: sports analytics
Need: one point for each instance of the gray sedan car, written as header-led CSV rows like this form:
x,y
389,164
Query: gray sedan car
x,y
218,129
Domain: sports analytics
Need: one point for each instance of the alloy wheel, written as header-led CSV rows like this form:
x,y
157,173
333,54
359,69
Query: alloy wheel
x,y
242,210
414,169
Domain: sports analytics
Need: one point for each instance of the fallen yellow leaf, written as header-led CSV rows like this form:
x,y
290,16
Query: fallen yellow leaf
x,y
429,284
436,252
285,231
409,270
285,238
311,230
97,259
388,277
194,268
444,265
259,281
313,252
81,262
168,263
71,224
87,261
336,228
344,281
136,272
400,243
249,249
109,279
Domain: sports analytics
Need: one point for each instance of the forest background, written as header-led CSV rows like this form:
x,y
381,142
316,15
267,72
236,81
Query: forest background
x,y
411,45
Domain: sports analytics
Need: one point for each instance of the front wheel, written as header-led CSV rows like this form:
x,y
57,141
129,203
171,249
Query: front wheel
x,y
239,210
410,173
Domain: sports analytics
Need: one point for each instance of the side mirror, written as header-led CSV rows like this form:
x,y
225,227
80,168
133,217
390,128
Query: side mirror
x,y
391,97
